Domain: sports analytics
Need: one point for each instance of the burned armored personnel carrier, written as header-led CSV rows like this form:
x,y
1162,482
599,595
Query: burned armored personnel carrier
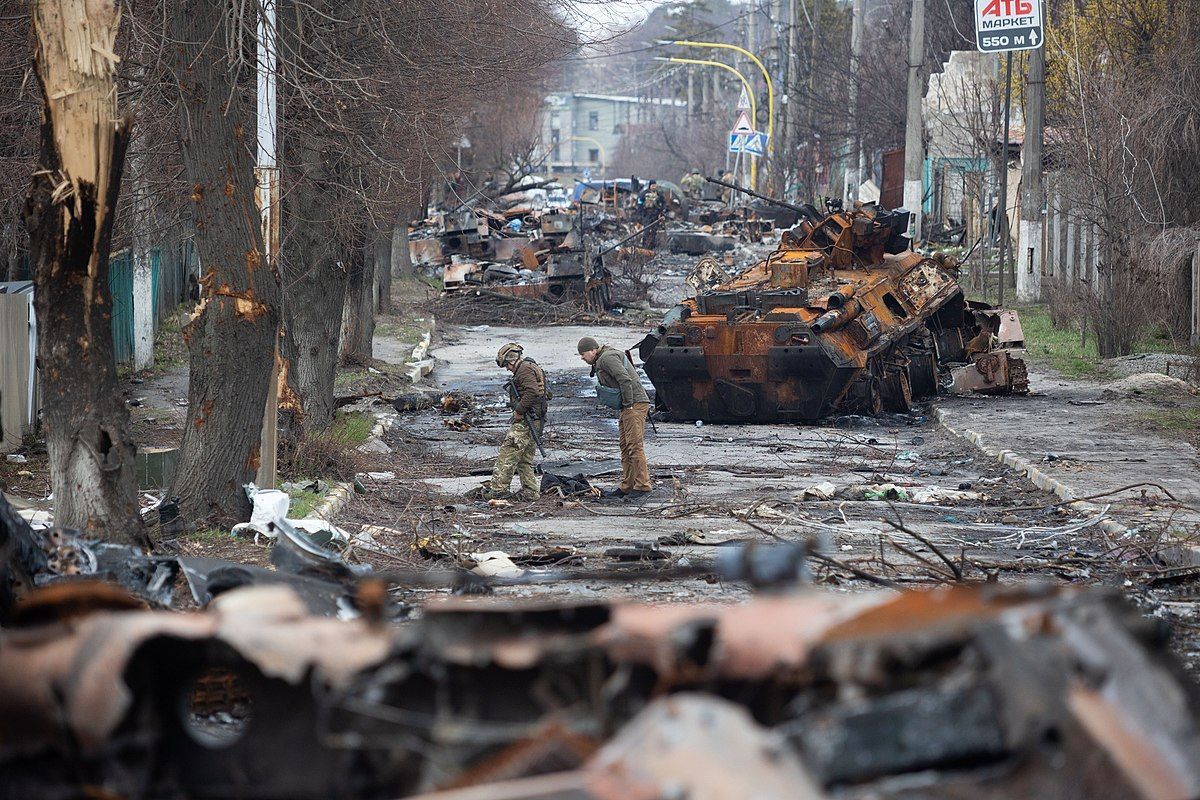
x,y
842,318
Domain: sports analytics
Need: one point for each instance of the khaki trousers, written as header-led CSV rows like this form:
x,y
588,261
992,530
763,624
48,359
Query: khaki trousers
x,y
635,472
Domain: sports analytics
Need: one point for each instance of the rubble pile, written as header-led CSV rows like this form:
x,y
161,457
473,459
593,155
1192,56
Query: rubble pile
x,y
539,244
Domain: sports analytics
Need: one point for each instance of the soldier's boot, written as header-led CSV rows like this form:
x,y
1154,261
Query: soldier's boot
x,y
489,493
528,495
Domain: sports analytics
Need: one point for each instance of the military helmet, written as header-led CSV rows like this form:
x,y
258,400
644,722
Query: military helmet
x,y
509,352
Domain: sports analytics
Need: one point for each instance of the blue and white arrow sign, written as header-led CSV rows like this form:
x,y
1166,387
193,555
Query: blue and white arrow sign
x,y
750,142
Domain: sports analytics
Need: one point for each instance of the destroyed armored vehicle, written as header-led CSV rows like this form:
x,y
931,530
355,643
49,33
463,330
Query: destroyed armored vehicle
x,y
842,318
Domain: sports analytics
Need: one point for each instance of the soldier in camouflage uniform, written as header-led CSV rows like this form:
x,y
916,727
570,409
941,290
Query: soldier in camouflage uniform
x,y
529,401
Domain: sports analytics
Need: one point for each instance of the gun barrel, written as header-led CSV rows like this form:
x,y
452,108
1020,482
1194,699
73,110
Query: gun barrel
x,y
801,210
645,228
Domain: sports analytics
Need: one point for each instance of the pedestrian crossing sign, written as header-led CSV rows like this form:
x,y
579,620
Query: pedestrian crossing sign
x,y
750,142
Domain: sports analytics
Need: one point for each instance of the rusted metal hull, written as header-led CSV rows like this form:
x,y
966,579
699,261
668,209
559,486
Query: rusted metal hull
x,y
843,320
987,692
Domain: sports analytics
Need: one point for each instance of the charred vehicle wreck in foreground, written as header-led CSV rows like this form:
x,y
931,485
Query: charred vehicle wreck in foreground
x,y
842,318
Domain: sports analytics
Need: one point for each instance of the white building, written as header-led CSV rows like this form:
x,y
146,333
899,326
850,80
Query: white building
x,y
582,131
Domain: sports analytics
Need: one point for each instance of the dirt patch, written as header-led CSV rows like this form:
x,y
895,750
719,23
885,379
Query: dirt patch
x,y
1151,387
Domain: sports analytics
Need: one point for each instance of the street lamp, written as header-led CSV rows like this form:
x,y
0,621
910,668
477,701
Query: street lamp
x,y
766,77
745,84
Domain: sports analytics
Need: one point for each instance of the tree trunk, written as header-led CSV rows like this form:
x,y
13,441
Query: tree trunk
x,y
231,334
383,271
315,273
69,212
358,313
402,266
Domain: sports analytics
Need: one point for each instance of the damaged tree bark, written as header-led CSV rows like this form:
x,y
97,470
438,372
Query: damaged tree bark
x,y
69,212
231,334
358,315
315,260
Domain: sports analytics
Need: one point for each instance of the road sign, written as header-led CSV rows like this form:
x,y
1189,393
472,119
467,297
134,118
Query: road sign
x,y
750,142
1004,25
743,101
743,124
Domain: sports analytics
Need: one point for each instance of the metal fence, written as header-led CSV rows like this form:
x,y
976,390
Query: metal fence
x,y
170,262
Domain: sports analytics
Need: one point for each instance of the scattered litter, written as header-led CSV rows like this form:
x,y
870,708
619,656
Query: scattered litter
x,y
821,491
934,494
761,511
380,476
548,557
15,458
695,536
460,425
456,402
495,564
884,491
636,552
269,505
908,455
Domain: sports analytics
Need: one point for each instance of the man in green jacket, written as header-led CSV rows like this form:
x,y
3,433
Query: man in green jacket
x,y
619,377
529,404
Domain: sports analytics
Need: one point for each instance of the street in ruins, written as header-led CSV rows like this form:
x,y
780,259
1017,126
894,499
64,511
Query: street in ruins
x,y
574,401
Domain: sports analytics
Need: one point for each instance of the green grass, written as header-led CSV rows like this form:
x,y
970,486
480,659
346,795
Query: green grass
x,y
404,331
1174,423
302,503
1061,348
206,535
1174,420
352,428
1063,351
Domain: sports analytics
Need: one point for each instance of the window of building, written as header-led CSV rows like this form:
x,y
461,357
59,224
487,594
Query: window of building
x,y
593,120
593,155
555,121
554,145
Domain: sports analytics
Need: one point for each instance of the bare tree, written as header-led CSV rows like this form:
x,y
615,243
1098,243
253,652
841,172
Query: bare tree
x,y
231,334
69,212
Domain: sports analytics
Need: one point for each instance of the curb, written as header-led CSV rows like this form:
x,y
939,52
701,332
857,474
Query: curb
x,y
1035,475
333,503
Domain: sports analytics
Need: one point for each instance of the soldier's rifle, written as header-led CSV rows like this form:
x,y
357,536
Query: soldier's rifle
x,y
530,418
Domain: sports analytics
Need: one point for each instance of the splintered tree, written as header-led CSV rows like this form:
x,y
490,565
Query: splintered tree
x,y
69,212
231,334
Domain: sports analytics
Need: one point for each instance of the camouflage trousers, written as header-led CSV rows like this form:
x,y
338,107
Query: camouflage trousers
x,y
516,455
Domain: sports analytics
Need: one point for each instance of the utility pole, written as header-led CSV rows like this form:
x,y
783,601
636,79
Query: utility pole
x,y
779,72
914,151
1195,337
266,175
854,172
1029,262
791,129
1003,204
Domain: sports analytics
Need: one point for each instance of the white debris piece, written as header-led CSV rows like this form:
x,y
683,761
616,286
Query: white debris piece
x,y
821,491
495,564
